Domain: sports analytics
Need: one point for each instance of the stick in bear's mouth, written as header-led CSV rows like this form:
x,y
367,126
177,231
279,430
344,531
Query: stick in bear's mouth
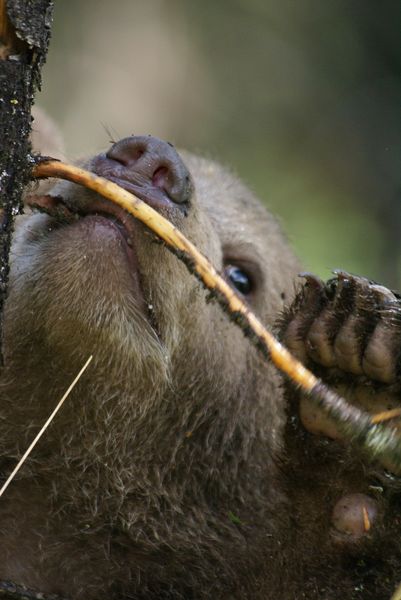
x,y
380,441
52,206
55,207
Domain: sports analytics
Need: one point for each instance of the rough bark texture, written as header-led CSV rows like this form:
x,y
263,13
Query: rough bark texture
x,y
24,38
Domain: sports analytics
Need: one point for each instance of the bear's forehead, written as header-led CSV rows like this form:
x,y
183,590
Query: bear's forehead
x,y
232,208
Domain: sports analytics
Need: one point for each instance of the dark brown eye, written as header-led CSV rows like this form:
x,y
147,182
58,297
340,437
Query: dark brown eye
x,y
239,279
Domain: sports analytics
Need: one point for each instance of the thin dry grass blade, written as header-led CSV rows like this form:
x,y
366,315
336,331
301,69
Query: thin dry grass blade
x,y
43,429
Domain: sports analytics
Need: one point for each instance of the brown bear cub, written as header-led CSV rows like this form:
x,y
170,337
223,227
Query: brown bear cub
x,y
179,467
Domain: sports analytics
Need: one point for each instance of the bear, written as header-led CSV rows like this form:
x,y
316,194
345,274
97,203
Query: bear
x,y
180,467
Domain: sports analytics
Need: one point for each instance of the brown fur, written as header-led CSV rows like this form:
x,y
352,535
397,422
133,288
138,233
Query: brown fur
x,y
164,475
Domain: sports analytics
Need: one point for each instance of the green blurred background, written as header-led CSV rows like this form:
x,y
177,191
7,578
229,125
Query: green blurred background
x,y
300,98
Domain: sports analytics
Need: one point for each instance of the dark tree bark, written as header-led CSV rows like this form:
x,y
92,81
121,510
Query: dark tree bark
x,y
24,37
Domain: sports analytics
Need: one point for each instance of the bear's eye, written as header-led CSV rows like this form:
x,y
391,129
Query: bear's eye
x,y
240,279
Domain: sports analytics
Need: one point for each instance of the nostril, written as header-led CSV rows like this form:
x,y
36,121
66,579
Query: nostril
x,y
136,153
127,154
161,178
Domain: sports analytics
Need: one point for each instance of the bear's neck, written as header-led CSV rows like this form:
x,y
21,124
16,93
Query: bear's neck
x,y
111,451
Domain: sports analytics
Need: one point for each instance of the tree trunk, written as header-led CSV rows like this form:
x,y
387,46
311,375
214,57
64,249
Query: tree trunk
x,y
24,37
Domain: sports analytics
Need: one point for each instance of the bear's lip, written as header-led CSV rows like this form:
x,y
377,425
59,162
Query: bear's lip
x,y
108,223
64,212
109,210
95,212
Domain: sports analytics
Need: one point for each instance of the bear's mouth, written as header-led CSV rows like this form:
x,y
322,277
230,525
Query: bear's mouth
x,y
107,218
66,214
98,210
153,193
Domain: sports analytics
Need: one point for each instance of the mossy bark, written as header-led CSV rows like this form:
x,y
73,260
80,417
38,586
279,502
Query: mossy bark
x,y
24,38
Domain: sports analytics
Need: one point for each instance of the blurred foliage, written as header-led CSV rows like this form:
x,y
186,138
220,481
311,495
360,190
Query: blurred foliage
x,y
300,98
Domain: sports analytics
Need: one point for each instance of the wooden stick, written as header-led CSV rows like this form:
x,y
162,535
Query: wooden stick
x,y
356,425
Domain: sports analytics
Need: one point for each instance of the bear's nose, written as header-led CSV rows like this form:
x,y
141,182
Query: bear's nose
x,y
147,161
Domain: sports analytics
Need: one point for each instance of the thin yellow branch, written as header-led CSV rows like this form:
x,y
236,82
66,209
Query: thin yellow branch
x,y
356,425
201,265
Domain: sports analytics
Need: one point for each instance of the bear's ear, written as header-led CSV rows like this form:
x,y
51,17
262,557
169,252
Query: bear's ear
x,y
46,137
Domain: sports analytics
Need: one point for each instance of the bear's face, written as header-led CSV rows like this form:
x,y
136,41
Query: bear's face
x,y
100,283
